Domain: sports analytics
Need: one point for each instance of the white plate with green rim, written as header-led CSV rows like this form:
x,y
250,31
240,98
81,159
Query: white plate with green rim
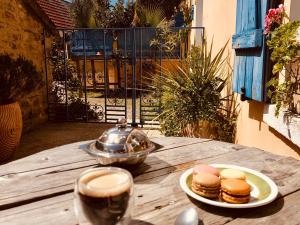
x,y
263,189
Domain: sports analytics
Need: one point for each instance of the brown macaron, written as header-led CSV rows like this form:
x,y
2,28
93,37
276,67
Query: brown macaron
x,y
235,191
206,185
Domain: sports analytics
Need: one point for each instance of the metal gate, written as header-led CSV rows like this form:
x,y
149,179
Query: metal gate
x,y
100,75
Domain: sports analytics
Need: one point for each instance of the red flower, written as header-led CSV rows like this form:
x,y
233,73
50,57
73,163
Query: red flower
x,y
274,18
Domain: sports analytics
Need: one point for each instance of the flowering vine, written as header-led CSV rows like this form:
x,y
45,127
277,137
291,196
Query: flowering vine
x,y
284,44
274,18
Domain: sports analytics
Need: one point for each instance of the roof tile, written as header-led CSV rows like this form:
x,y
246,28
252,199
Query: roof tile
x,y
57,13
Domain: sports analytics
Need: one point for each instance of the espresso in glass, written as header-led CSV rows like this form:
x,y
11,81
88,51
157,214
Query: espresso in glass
x,y
105,196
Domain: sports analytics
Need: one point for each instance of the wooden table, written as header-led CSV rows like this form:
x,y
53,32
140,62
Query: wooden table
x,y
37,190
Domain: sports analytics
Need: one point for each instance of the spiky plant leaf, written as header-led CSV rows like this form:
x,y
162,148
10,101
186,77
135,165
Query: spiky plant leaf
x,y
191,94
150,15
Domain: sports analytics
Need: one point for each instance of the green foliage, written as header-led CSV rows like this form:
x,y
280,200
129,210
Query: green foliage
x,y
18,77
58,63
285,49
83,12
66,77
166,39
150,13
168,6
101,14
191,95
282,95
121,14
149,16
186,9
77,108
284,45
118,16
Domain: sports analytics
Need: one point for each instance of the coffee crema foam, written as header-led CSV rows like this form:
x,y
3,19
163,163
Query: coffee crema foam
x,y
102,184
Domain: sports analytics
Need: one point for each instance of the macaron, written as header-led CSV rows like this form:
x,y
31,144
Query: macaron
x,y
232,174
206,185
235,191
205,169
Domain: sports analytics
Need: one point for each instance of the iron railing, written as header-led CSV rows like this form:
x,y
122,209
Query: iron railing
x,y
100,75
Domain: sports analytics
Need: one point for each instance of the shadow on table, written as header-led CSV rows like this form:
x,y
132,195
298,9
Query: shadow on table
x,y
153,170
140,222
258,212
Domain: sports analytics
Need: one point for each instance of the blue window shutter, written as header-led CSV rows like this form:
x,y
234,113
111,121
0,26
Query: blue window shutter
x,y
250,49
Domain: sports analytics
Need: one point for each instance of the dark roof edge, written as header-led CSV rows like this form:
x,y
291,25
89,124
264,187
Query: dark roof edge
x,y
44,18
49,25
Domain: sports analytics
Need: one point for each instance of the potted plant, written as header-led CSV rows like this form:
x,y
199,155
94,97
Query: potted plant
x,y
18,77
192,103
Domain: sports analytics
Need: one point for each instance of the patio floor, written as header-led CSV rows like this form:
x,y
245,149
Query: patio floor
x,y
50,135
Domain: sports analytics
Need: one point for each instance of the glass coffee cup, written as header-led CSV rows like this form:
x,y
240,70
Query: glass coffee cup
x,y
104,196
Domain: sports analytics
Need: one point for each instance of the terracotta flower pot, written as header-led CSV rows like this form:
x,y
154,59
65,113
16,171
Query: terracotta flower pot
x,y
10,129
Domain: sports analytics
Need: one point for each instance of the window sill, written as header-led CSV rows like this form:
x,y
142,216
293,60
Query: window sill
x,y
288,127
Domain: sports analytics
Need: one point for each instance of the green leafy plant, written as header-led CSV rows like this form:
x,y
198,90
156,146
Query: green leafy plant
x,y
59,72
77,109
119,15
166,39
83,12
18,78
74,109
150,15
186,9
168,8
284,46
102,14
65,80
191,100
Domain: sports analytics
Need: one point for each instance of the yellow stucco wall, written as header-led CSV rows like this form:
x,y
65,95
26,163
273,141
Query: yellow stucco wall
x,y
20,34
218,18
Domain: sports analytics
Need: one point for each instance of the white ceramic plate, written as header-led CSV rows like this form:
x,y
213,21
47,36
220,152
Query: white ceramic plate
x,y
263,189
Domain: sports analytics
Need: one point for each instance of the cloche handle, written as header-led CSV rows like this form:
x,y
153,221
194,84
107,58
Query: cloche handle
x,y
122,123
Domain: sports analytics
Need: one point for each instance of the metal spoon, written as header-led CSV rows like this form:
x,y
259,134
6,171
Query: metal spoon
x,y
187,217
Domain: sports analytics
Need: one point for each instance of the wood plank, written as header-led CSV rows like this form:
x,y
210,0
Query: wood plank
x,y
284,211
258,85
249,76
62,155
252,18
69,154
53,211
239,16
247,39
242,68
21,188
159,199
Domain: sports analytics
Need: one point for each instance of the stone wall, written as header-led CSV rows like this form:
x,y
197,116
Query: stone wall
x,y
20,34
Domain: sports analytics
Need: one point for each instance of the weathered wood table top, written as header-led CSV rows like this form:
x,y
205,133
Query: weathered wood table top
x,y
38,190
